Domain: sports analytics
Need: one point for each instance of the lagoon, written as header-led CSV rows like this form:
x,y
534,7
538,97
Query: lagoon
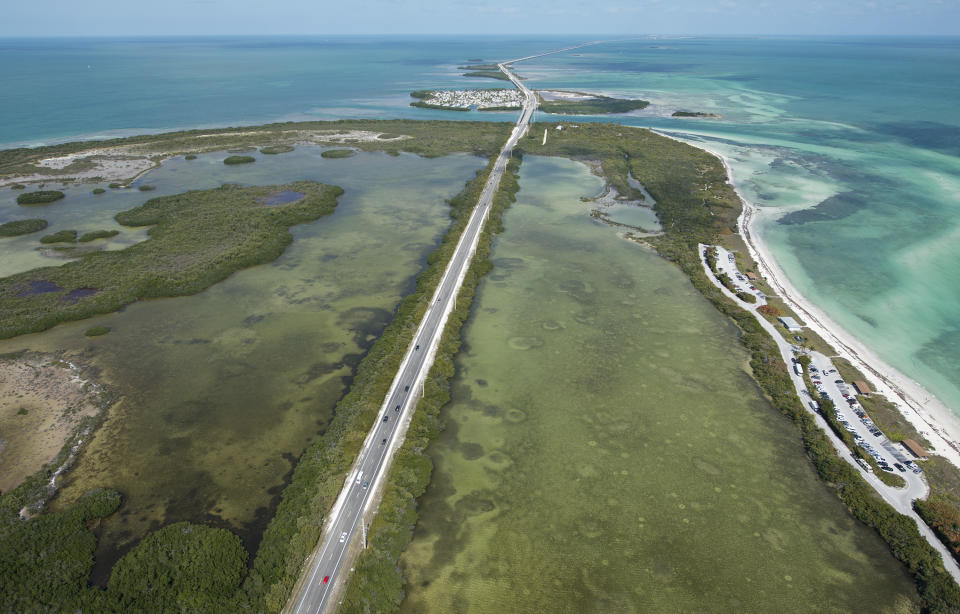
x,y
607,450
221,391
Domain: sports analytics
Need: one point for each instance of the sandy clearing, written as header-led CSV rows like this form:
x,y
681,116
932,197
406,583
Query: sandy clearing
x,y
42,401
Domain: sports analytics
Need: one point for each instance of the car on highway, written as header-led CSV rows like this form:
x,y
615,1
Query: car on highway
x,y
397,408
343,537
326,579
406,388
384,442
365,484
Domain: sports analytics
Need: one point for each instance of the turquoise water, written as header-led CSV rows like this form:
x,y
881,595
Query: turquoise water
x,y
854,144
134,86
855,140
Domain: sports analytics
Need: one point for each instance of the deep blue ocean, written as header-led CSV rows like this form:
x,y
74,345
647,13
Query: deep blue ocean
x,y
851,146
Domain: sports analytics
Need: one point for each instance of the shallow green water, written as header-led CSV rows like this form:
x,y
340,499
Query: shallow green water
x,y
606,451
222,390
633,215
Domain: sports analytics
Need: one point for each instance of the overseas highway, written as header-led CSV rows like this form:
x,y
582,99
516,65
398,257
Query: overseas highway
x,y
324,574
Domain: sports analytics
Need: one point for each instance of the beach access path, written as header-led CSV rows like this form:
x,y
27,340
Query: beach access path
x,y
900,498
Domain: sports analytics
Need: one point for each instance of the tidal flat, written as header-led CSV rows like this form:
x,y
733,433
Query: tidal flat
x,y
221,391
607,450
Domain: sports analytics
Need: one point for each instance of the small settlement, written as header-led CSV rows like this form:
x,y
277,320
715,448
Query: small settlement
x,y
479,99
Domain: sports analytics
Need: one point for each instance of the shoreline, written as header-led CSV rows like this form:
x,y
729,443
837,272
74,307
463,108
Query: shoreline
x,y
922,409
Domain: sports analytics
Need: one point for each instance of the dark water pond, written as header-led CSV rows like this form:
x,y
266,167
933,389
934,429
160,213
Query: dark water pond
x,y
282,198
40,287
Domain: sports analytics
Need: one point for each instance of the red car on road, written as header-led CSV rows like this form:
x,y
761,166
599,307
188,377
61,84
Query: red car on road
x,y
326,579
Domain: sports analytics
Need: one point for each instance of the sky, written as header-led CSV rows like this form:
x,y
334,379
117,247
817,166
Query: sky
x,y
325,17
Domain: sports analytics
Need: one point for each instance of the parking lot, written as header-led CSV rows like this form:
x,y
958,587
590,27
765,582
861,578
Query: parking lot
x,y
726,263
889,455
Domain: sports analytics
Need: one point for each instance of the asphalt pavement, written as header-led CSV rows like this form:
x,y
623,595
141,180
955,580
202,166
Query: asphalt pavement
x,y
900,498
324,570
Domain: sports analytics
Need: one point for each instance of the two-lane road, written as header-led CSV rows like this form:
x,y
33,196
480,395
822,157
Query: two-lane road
x,y
326,565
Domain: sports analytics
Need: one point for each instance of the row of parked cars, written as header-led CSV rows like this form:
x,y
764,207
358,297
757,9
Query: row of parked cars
x,y
818,379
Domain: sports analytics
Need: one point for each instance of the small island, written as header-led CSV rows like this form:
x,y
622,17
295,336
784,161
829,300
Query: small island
x,y
97,234
22,227
41,197
492,99
696,114
229,160
581,103
338,153
485,71
64,236
273,150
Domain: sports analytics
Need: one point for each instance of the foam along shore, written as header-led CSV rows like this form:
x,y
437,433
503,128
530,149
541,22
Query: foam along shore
x,y
926,413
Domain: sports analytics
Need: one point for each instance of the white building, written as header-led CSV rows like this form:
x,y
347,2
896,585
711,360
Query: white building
x,y
790,324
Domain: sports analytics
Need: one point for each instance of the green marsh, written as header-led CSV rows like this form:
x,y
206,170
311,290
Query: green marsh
x,y
606,451
222,390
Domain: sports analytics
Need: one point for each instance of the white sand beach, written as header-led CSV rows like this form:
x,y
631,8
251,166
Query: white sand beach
x,y
926,413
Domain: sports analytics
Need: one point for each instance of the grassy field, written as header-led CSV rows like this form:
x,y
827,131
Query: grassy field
x,y
197,239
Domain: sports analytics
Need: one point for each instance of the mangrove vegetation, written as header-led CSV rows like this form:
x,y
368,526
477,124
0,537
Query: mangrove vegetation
x,y
22,227
198,238
41,197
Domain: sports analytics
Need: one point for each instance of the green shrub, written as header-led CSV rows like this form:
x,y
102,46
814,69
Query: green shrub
x,y
22,227
338,153
45,562
98,234
599,105
98,190
39,198
276,149
146,188
239,160
115,186
18,186
190,157
318,477
223,230
64,236
97,331
376,584
182,567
